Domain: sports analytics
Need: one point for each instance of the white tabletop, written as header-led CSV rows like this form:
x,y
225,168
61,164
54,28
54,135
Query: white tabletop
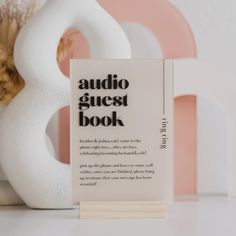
x,y
209,216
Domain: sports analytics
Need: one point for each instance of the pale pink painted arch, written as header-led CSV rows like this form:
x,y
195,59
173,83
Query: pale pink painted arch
x,y
162,18
176,40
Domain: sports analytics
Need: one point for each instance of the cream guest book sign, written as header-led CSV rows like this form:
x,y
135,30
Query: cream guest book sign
x,y
121,137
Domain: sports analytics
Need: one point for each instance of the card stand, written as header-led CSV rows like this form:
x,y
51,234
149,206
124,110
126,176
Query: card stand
x,y
121,209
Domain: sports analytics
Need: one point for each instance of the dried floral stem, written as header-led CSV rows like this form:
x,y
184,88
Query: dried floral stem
x,y
12,17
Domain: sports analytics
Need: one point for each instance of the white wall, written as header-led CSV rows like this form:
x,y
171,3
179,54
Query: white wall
x,y
213,24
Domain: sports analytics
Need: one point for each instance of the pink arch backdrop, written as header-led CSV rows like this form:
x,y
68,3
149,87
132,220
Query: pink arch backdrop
x,y
176,40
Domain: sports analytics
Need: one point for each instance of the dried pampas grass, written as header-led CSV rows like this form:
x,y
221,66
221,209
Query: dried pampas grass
x,y
12,17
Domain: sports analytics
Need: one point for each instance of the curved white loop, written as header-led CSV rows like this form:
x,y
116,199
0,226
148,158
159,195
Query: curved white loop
x,y
40,180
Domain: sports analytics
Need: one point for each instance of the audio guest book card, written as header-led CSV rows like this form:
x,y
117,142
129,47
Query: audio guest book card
x,y
121,137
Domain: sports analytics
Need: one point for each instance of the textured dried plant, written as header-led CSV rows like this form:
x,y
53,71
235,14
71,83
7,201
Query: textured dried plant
x,y
12,17
65,44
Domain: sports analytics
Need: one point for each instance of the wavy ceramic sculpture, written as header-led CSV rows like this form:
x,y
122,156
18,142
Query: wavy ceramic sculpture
x,y
7,194
14,14
2,175
39,179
